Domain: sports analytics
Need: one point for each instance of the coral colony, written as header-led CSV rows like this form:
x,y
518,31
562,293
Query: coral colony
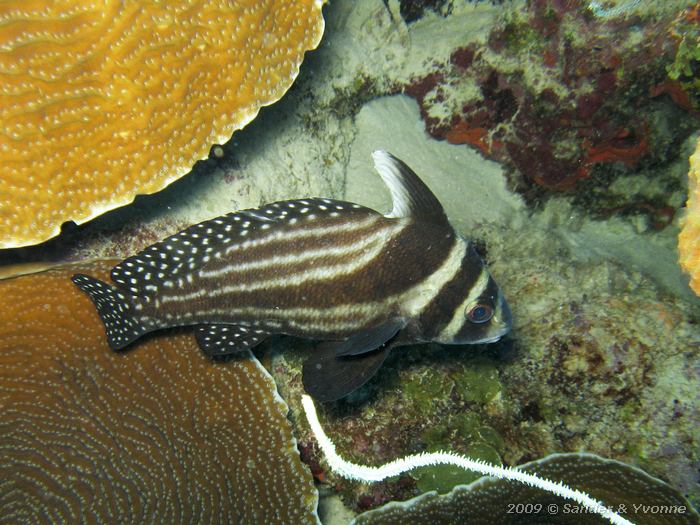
x,y
399,466
137,428
121,82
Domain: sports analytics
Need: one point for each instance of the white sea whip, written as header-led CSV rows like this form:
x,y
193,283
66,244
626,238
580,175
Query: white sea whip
x,y
398,466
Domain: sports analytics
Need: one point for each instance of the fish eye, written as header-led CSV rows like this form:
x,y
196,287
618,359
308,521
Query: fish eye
x,y
480,313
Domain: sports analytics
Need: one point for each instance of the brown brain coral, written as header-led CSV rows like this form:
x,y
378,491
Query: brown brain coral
x,y
158,434
689,238
101,101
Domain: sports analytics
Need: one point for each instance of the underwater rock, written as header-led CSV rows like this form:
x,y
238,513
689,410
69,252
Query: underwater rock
x,y
562,97
635,495
689,237
602,361
684,84
100,103
156,434
412,10
456,175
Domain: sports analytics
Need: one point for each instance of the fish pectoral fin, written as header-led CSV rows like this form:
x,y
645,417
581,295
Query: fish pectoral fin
x,y
327,377
223,339
370,339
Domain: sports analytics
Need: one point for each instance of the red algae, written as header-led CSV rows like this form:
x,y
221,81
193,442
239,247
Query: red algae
x,y
582,96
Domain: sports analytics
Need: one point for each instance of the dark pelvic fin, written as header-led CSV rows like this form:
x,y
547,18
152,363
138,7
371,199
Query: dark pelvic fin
x,y
223,339
410,196
328,378
115,310
369,340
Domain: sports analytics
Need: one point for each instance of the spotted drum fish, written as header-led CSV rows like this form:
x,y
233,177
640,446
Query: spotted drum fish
x,y
314,268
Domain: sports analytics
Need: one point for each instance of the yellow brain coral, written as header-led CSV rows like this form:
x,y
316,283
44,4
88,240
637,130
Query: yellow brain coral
x,y
157,434
100,101
689,238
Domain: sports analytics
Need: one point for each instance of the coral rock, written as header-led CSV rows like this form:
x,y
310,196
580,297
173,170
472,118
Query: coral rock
x,y
157,434
549,97
689,238
102,101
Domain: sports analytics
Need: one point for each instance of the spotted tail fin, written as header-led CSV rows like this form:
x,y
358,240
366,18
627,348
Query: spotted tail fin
x,y
116,311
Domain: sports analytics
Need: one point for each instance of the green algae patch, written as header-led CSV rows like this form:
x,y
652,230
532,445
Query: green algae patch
x,y
479,382
519,33
492,438
425,390
443,478
467,425
687,59
466,434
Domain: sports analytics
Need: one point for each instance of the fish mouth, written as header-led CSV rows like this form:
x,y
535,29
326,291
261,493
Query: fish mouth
x,y
493,338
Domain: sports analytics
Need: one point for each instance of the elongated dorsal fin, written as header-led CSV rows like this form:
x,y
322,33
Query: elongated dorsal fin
x,y
410,196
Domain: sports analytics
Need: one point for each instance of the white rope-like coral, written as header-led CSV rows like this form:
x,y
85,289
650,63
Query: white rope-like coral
x,y
399,466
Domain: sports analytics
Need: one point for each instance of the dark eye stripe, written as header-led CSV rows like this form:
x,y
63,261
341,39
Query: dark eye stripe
x,y
487,299
437,314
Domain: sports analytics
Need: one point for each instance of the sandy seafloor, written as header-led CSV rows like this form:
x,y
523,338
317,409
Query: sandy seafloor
x,y
605,350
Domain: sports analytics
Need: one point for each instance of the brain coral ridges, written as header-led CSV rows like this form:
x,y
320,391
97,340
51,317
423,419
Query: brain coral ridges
x,y
156,434
689,237
101,101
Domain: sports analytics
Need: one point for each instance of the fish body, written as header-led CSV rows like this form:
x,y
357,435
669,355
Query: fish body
x,y
315,268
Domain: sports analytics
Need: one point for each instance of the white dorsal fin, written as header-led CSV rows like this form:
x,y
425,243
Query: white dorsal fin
x,y
410,196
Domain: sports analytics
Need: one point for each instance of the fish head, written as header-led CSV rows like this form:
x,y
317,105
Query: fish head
x,y
483,315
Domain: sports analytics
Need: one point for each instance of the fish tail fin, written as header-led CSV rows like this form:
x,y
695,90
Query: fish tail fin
x,y
115,309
